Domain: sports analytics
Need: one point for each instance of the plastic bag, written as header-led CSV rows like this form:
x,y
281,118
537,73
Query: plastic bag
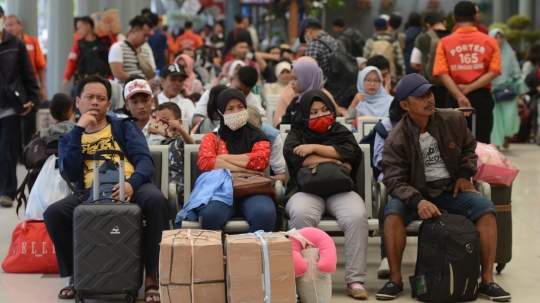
x,y
493,166
49,188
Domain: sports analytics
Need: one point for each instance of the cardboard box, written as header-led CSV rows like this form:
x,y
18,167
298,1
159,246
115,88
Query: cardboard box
x,y
246,268
107,23
191,264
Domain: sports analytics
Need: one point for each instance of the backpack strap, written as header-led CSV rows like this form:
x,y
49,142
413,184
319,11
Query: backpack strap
x,y
381,130
325,44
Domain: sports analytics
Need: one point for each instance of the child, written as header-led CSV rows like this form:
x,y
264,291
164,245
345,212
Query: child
x,y
63,112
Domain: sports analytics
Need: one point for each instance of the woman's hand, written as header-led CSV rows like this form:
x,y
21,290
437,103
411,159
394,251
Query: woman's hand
x,y
304,150
360,97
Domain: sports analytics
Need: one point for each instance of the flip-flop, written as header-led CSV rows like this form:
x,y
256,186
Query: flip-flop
x,y
151,294
68,288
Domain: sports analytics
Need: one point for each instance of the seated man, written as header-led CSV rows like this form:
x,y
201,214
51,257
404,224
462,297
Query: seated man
x,y
139,102
428,161
95,131
172,78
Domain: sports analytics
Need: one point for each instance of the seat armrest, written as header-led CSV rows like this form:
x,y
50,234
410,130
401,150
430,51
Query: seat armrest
x,y
382,199
483,188
280,190
173,197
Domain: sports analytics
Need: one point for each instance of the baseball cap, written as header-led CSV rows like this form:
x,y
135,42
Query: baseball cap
x,y
305,24
413,85
380,23
172,70
137,86
465,9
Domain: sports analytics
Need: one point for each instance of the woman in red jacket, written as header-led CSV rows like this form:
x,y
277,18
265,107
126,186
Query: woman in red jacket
x,y
240,147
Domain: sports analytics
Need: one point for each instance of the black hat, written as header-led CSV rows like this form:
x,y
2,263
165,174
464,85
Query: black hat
x,y
309,21
172,70
465,9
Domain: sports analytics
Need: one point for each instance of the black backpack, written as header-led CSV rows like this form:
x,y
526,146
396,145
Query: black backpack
x,y
448,261
93,61
370,139
343,71
356,41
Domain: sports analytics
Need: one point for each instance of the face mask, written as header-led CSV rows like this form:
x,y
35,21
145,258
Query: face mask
x,y
320,124
236,120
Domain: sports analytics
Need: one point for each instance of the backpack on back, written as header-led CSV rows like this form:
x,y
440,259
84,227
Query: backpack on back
x,y
356,41
93,61
448,261
370,139
343,71
428,71
384,48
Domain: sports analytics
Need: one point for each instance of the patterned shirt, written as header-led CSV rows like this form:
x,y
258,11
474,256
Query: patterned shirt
x,y
399,62
176,164
434,166
318,51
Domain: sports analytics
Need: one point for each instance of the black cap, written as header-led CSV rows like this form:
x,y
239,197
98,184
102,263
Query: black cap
x,y
172,70
413,85
465,9
309,21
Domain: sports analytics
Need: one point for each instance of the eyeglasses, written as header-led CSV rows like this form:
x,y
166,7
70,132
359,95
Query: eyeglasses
x,y
371,81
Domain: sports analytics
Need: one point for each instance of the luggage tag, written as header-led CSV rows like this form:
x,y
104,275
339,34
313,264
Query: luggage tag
x,y
313,168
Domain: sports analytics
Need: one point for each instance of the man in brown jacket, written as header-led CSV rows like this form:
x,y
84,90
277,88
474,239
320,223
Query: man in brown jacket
x,y
428,161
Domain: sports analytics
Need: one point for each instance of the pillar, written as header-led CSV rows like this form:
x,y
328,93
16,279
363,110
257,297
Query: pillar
x,y
60,40
232,8
87,7
526,8
26,10
498,11
293,21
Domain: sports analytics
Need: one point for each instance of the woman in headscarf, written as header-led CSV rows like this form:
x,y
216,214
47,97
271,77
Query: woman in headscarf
x,y
318,139
242,148
506,119
283,73
372,99
192,85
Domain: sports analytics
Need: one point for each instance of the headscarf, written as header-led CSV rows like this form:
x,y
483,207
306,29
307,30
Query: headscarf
x,y
189,71
234,65
360,61
376,105
509,65
242,140
281,66
309,75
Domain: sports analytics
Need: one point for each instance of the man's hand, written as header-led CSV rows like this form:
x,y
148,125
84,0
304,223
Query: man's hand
x,y
128,192
88,119
388,84
464,102
428,210
28,107
464,88
359,97
464,186
43,94
304,150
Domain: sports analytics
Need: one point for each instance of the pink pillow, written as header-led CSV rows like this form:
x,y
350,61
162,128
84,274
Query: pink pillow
x,y
327,250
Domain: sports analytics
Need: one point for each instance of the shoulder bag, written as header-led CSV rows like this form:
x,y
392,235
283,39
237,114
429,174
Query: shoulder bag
x,y
324,179
147,70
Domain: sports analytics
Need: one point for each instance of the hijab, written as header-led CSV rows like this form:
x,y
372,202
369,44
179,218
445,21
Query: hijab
x,y
281,66
242,140
509,65
375,105
234,65
309,75
189,71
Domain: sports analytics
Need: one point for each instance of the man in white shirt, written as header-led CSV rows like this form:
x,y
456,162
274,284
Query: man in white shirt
x,y
244,80
172,79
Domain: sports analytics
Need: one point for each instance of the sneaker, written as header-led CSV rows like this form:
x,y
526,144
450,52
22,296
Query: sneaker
x,y
357,293
384,270
6,201
494,292
390,291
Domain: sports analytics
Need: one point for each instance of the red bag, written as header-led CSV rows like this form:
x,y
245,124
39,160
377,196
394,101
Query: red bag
x,y
31,250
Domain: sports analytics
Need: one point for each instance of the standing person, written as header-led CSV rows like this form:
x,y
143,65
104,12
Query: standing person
x,y
16,68
158,42
311,31
129,57
88,55
315,139
217,38
467,61
394,23
506,119
238,33
240,51
172,79
247,24
189,39
481,28
412,30
426,43
192,85
352,39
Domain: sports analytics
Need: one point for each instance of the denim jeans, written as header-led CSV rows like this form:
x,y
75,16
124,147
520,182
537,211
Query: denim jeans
x,y
258,210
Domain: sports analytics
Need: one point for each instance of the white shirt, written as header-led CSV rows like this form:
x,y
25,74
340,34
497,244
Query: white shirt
x,y
277,161
186,105
251,99
416,56
120,52
433,163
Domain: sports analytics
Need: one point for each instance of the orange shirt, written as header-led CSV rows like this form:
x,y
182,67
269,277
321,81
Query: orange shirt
x,y
189,40
466,55
34,52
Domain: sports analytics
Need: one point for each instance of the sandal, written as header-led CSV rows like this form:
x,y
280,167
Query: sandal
x,y
68,288
148,293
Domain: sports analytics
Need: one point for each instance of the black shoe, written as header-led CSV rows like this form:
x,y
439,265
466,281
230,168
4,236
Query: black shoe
x,y
494,292
390,291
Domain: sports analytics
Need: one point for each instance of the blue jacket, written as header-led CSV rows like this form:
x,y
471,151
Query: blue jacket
x,y
131,141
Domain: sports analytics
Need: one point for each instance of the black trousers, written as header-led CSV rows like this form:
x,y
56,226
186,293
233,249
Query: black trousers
x,y
440,96
10,147
482,101
155,207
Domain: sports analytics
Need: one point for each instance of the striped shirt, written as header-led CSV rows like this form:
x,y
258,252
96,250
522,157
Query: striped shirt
x,y
121,52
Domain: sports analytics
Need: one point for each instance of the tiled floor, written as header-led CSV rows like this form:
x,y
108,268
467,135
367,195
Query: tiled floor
x,y
520,277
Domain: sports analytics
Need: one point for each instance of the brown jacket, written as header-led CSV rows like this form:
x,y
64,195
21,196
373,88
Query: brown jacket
x,y
403,164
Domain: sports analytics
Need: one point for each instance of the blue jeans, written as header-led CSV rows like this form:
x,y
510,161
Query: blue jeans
x,y
258,210
470,205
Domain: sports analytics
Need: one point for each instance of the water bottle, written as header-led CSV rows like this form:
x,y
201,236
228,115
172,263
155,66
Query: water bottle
x,y
156,80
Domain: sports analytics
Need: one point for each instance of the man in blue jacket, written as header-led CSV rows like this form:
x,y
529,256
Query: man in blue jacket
x,y
98,131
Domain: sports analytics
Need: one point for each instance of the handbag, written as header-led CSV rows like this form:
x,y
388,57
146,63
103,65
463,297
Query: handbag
x,y
14,94
31,250
324,179
248,184
147,70
504,93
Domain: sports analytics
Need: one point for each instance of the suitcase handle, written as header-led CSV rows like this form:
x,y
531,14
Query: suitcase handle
x,y
100,153
109,199
121,171
473,121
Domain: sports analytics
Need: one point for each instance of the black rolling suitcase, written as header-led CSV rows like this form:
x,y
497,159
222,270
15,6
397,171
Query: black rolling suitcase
x,y
107,243
502,198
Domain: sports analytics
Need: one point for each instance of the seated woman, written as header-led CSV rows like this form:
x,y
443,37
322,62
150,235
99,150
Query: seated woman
x,y
318,139
192,84
283,72
372,99
240,147
209,124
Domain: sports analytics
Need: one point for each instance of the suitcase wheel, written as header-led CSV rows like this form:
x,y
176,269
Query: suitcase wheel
x,y
500,267
80,298
130,298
